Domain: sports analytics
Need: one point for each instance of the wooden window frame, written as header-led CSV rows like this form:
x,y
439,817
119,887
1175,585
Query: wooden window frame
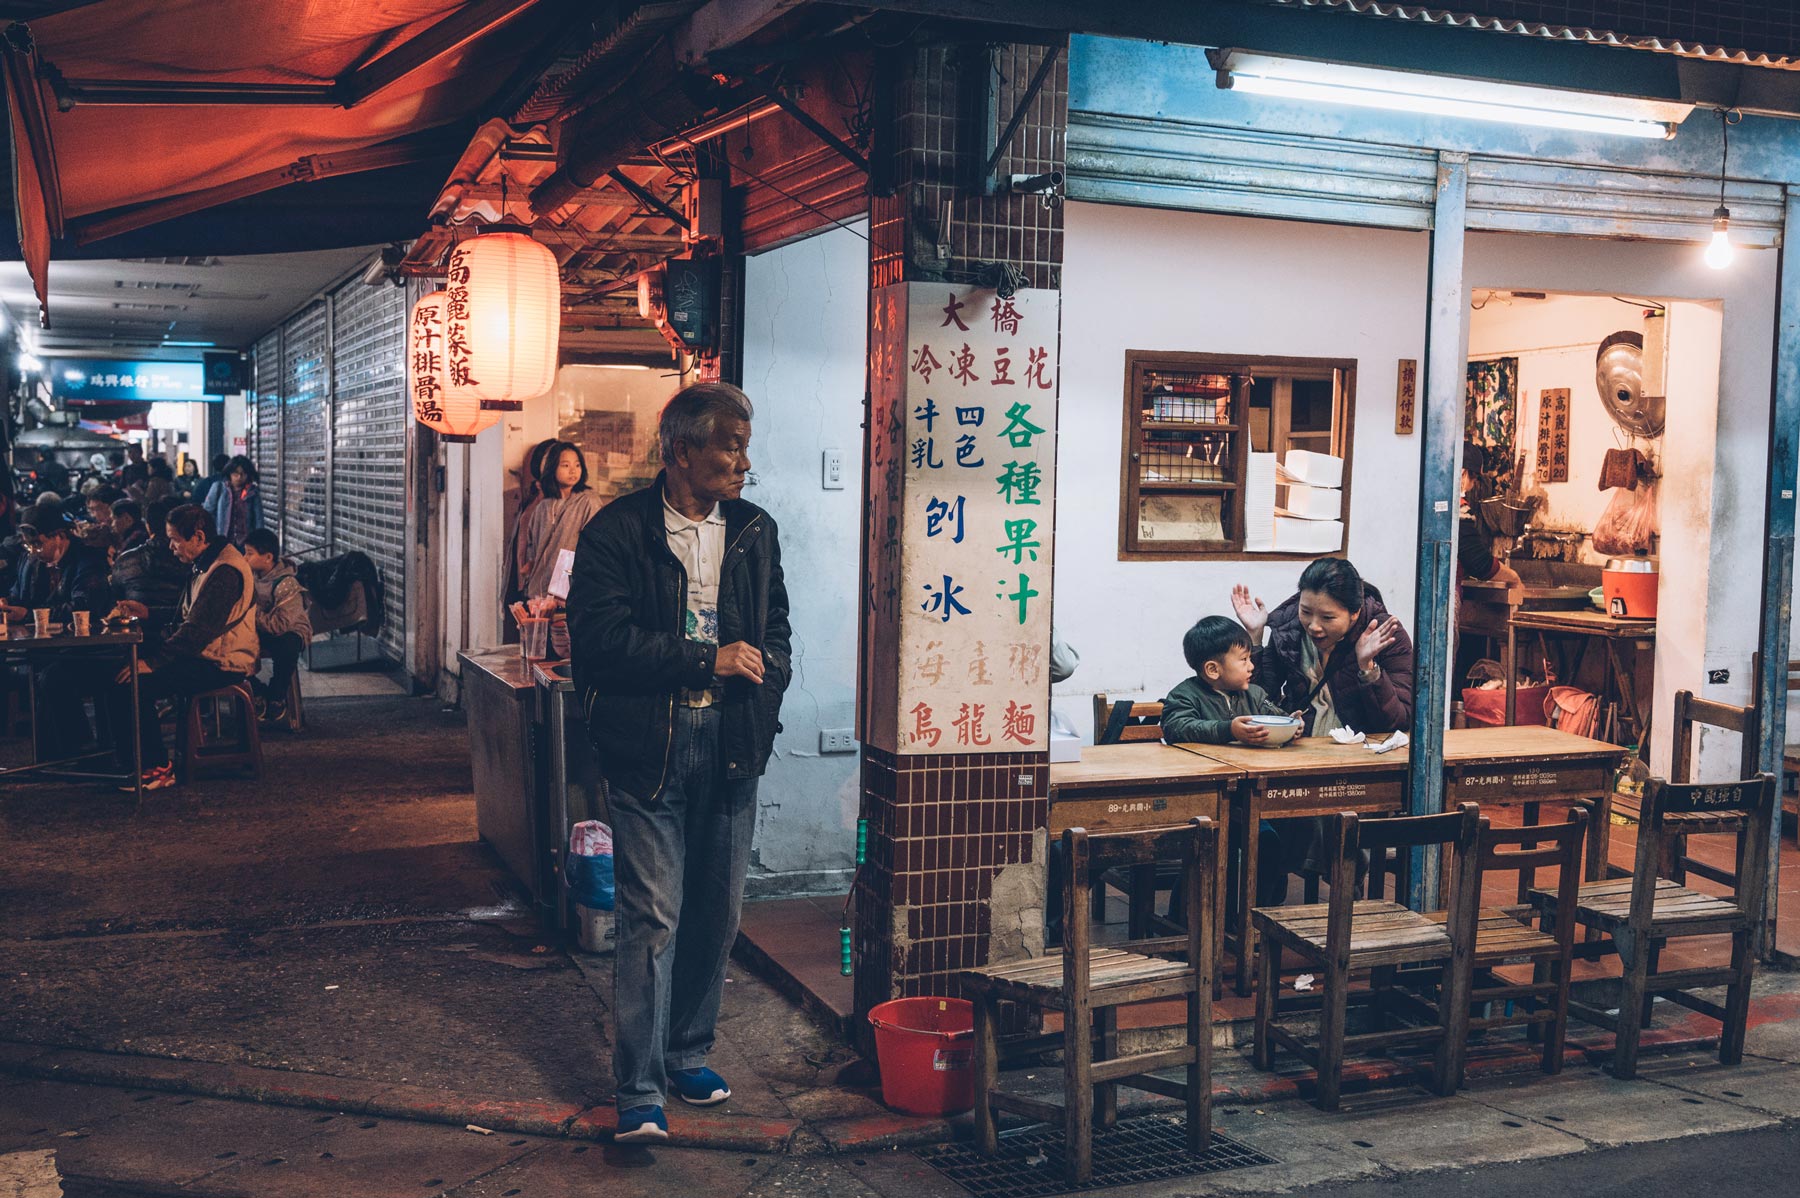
x,y
1140,361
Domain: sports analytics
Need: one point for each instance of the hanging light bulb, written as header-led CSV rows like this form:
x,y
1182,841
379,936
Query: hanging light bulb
x,y
504,312
1719,251
455,416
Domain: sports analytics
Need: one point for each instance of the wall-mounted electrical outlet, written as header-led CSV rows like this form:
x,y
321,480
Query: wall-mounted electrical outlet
x,y
1718,677
837,740
831,470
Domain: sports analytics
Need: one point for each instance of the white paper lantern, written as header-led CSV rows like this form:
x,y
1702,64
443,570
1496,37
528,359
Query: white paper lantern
x,y
455,417
504,314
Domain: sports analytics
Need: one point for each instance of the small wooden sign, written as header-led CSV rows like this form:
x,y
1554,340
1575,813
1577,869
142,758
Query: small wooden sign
x,y
1405,395
1553,436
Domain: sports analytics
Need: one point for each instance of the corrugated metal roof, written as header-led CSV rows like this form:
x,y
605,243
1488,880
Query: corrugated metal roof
x,y
1561,33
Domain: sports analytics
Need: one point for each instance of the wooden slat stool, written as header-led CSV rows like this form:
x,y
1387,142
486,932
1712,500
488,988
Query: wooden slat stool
x,y
1343,936
1639,913
1089,983
1504,935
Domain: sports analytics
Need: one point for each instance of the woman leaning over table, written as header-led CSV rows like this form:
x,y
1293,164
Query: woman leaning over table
x,y
1334,654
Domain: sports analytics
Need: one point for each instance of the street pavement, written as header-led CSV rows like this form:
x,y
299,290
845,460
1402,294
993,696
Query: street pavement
x,y
1687,1125
313,985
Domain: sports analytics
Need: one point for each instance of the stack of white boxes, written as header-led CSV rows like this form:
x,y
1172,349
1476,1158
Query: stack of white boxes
x,y
1310,508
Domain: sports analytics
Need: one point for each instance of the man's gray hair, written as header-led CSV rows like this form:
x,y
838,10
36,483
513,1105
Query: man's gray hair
x,y
693,415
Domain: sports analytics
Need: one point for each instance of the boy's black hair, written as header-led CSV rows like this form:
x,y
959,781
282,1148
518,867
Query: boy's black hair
x,y
263,540
156,516
1211,639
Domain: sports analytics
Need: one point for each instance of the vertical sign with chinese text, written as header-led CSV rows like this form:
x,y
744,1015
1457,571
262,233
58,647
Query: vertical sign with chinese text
x,y
1553,436
977,455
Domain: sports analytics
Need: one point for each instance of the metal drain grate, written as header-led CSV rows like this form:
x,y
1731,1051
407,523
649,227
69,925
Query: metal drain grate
x,y
1145,1148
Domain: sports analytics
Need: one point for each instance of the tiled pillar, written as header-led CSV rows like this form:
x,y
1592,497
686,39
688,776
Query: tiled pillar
x,y
958,524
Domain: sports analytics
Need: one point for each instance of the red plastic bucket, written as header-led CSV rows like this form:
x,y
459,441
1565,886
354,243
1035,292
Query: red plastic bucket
x,y
926,1048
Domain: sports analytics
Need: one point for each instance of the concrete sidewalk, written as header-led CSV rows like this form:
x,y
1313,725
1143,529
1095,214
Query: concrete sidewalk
x,y
126,1137
335,947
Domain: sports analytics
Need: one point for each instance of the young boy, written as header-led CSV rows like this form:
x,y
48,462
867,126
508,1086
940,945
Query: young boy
x,y
282,623
1213,707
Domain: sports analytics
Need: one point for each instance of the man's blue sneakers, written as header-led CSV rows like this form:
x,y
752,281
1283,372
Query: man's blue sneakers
x,y
641,1125
699,1087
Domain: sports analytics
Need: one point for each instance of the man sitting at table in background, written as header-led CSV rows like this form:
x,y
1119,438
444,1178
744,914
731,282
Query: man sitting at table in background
x,y
74,579
151,576
282,624
68,576
1214,708
213,647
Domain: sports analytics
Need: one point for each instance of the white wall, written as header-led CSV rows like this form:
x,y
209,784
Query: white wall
x,y
804,337
1136,278
1742,301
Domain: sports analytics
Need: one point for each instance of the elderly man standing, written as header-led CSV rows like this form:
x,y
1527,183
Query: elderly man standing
x,y
679,624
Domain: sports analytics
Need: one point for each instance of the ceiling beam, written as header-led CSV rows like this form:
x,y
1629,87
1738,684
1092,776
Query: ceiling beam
x,y
722,24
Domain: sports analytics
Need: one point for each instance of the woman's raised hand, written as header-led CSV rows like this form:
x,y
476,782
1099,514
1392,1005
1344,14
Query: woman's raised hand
x,y
1375,640
1250,612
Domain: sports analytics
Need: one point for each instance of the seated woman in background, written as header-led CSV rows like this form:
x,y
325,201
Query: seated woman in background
x,y
1335,656
555,521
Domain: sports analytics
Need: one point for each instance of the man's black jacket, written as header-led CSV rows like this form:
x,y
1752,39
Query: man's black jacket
x,y
627,612
82,584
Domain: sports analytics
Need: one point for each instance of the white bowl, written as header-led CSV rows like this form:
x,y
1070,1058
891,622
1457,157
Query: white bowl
x,y
1282,729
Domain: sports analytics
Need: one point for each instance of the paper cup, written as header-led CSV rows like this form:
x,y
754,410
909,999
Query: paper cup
x,y
40,619
83,623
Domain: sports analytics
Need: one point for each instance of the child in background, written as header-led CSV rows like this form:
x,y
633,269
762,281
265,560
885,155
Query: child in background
x,y
282,623
1213,707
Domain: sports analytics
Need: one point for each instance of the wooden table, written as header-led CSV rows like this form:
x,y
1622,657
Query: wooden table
x,y
21,645
1609,630
1125,786
1529,766
1309,777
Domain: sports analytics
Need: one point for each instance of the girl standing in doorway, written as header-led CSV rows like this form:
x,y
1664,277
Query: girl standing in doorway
x,y
556,520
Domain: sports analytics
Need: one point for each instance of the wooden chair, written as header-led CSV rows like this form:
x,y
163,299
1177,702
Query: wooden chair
x,y
1690,712
1504,935
1343,936
1639,912
1088,983
1126,721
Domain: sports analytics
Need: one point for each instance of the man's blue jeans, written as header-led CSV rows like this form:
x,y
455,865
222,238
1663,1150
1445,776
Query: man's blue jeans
x,y
680,861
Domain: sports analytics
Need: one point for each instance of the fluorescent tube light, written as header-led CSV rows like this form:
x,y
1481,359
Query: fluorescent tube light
x,y
1444,95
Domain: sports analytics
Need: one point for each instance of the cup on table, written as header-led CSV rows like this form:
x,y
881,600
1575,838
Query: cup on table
x,y
534,638
40,619
83,623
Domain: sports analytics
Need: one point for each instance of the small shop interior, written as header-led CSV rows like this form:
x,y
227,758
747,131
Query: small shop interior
x,y
1589,434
